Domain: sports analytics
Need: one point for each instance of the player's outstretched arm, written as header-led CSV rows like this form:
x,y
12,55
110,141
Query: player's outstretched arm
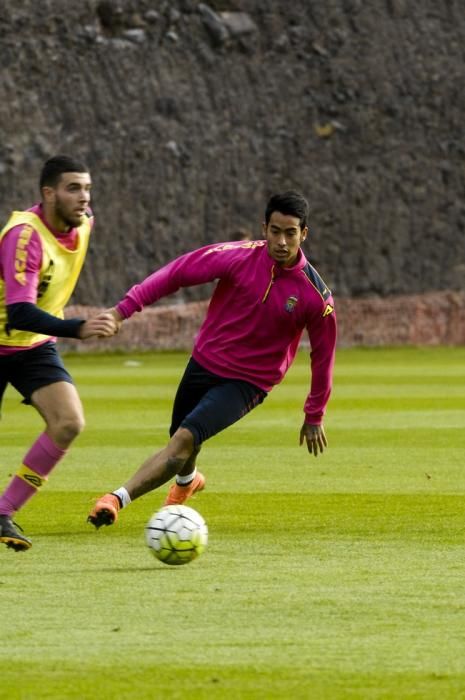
x,y
315,437
26,316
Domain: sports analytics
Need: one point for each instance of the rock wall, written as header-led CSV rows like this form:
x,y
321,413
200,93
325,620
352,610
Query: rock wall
x,y
428,319
191,114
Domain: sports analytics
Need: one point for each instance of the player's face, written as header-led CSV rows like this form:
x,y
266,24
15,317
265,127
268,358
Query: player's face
x,y
70,199
284,236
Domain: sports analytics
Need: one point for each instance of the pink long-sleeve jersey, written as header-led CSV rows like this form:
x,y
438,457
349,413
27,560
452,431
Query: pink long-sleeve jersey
x,y
256,315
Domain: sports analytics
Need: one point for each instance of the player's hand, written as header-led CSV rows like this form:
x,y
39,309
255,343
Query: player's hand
x,y
103,326
117,318
315,438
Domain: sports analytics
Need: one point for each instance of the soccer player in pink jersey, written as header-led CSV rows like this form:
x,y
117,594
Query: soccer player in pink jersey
x,y
267,294
42,251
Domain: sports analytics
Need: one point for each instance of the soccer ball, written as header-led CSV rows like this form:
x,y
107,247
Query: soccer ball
x,y
176,534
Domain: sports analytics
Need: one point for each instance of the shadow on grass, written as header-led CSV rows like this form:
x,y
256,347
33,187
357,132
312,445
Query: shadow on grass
x,y
79,533
101,570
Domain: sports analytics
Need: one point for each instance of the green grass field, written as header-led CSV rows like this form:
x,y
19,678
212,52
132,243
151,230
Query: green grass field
x,y
328,578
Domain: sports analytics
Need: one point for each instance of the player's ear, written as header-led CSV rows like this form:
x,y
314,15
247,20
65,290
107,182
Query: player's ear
x,y
304,233
47,193
264,229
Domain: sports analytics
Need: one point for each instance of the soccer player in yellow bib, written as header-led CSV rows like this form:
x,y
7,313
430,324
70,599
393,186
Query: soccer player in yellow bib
x,y
42,251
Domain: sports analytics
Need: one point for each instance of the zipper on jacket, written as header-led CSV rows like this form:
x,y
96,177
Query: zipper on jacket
x,y
265,296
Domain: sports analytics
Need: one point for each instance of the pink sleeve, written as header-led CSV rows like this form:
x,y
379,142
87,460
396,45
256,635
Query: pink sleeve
x,y
322,333
201,266
21,260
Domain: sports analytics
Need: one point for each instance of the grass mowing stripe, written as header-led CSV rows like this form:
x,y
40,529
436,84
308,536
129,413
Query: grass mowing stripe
x,y
336,577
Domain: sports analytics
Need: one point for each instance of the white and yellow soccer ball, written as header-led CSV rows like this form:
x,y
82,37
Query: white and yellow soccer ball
x,y
176,534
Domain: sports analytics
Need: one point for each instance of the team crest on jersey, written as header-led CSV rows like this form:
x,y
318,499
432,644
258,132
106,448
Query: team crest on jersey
x,y
291,304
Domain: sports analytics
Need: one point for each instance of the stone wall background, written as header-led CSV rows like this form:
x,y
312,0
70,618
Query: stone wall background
x,y
191,114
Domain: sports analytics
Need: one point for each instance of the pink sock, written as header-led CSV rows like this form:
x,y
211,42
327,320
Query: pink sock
x,y
41,458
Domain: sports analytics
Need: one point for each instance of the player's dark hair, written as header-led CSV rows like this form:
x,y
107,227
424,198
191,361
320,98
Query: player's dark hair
x,y
290,203
54,168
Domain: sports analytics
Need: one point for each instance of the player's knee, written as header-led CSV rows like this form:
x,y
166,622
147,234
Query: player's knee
x,y
68,428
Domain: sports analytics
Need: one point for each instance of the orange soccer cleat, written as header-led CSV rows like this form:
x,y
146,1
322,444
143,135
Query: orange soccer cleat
x,y
178,494
105,511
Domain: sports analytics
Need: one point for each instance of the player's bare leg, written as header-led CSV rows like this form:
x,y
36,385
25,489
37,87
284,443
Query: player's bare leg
x,y
154,472
162,466
60,407
189,466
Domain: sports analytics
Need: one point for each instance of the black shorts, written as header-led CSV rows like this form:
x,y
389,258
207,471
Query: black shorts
x,y
206,404
29,370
